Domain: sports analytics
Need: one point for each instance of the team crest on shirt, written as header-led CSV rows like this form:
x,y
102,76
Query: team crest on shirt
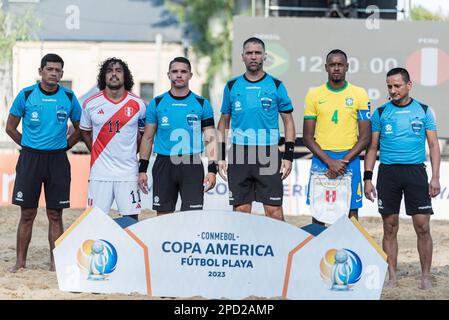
x,y
129,112
349,102
417,126
192,119
61,114
266,103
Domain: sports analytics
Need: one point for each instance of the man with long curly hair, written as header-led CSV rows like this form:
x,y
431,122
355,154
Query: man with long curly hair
x,y
111,124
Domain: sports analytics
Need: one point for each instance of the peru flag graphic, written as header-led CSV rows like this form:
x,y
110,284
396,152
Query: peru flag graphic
x,y
331,196
428,66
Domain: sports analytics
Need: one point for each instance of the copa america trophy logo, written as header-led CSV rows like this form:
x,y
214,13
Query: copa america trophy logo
x,y
97,259
340,269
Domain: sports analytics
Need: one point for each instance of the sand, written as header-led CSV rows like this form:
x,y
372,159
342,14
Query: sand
x,y
36,282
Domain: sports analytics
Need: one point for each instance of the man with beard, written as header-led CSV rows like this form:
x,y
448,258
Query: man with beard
x,y
337,127
111,123
252,104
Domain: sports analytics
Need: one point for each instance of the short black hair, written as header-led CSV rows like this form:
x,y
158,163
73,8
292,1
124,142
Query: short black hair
x,y
337,51
181,60
254,40
51,57
128,77
402,71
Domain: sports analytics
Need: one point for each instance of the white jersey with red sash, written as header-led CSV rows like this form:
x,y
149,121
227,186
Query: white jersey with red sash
x,y
114,127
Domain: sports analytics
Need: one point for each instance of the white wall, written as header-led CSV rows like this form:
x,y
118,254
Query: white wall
x,y
146,61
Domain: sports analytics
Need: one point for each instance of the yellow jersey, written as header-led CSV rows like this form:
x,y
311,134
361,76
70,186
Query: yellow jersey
x,y
336,112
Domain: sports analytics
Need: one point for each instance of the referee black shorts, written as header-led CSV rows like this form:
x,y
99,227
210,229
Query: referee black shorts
x,y
411,180
37,167
253,175
173,175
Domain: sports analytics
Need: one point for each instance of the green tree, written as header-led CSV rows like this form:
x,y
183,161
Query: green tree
x,y
12,28
420,13
207,26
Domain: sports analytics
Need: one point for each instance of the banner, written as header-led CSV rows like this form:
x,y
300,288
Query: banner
x,y
96,255
215,254
342,263
295,189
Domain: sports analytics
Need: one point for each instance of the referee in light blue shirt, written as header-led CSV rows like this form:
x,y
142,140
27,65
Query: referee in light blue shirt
x,y
175,123
44,109
400,128
252,105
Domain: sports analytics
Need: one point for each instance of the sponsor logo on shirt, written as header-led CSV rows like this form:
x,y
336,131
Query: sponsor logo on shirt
x,y
238,106
100,111
35,116
165,121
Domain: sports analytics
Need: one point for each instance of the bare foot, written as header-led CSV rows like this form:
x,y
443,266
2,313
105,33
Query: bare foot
x,y
392,283
426,282
16,268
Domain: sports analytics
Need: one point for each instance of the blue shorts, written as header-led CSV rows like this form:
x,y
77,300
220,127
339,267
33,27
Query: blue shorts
x,y
353,167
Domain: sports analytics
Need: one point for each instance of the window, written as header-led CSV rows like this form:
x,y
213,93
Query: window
x,y
146,91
